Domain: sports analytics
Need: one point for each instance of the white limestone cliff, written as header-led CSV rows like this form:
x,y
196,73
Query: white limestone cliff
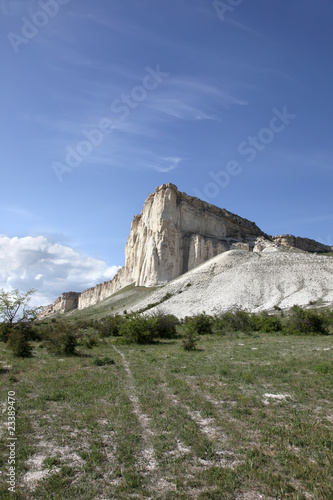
x,y
176,232
173,234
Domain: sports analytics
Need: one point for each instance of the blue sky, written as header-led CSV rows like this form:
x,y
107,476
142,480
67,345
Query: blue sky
x,y
103,101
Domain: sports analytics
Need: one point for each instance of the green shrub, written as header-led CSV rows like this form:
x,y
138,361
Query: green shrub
x,y
60,338
29,330
238,321
102,361
25,327
5,330
200,324
328,318
270,324
302,322
138,329
265,323
85,323
165,325
89,342
167,296
18,344
190,339
110,325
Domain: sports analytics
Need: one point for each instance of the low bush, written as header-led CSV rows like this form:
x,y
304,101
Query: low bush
x,y
238,321
102,361
265,323
327,315
18,344
85,323
191,337
201,324
165,325
138,329
89,341
60,338
302,322
5,330
190,341
29,330
110,325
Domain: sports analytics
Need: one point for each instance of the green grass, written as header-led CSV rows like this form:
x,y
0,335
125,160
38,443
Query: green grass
x,y
155,421
116,303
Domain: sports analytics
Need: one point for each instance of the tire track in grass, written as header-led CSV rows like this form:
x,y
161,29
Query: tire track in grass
x,y
214,433
148,454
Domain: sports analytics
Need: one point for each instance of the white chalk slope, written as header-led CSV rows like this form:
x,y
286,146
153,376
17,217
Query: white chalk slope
x,y
250,281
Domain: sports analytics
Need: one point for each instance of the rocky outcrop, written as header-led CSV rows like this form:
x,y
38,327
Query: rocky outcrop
x,y
67,302
174,234
304,244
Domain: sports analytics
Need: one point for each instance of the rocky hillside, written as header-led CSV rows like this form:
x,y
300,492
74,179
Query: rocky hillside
x,y
248,280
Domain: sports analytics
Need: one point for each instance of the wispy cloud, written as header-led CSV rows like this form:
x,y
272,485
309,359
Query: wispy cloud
x,y
160,163
191,98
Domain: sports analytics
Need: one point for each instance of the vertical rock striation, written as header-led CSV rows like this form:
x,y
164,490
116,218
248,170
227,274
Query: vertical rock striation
x,y
176,232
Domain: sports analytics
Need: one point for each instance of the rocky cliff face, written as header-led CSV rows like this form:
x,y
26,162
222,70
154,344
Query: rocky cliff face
x,y
65,303
305,244
173,234
176,232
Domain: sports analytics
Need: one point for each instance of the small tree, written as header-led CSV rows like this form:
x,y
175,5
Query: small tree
x,y
14,306
191,337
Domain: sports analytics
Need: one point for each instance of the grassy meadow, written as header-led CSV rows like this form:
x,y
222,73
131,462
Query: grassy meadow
x,y
244,417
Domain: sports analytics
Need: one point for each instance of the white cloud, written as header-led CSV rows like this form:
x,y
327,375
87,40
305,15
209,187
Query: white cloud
x,y
34,262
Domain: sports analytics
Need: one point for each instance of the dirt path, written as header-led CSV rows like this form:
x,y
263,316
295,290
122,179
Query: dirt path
x,y
148,454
